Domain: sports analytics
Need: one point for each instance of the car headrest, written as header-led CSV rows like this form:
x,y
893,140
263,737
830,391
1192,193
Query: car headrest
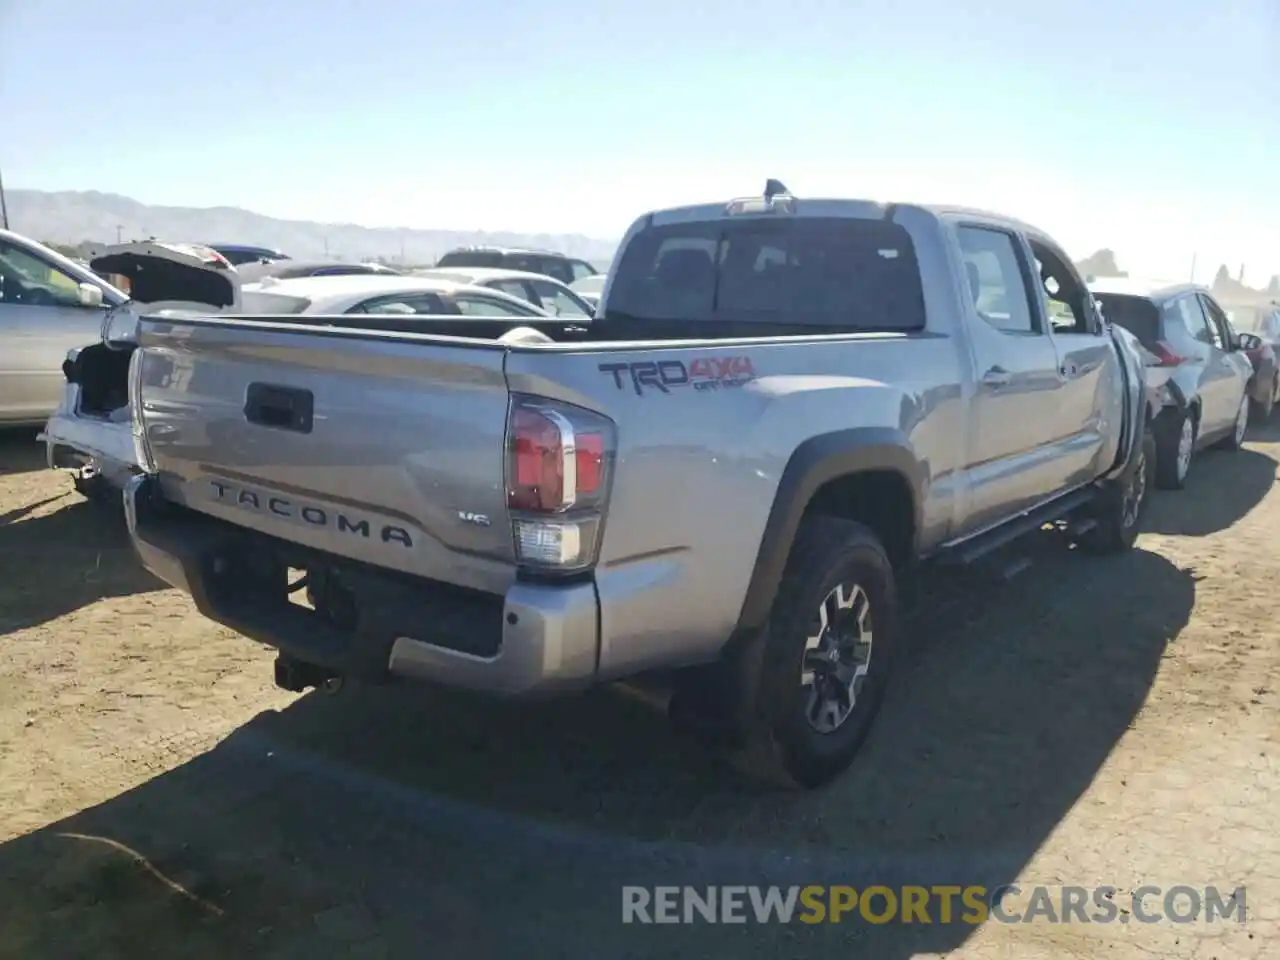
x,y
685,267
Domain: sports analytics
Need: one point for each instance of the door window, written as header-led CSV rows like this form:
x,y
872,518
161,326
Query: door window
x,y
476,306
556,301
418,303
1219,328
997,280
31,281
470,258
1193,318
512,288
1271,327
547,266
581,270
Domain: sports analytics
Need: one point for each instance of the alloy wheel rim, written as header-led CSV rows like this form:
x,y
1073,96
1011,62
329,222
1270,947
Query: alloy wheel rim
x,y
1242,420
837,657
1185,440
1135,492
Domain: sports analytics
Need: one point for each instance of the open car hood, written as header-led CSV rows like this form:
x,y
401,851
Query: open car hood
x,y
165,276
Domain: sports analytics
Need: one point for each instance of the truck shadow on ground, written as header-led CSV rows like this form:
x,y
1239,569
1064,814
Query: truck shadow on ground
x,y
405,820
54,562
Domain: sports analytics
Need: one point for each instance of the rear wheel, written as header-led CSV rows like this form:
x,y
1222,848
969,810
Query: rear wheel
x,y
827,653
1175,435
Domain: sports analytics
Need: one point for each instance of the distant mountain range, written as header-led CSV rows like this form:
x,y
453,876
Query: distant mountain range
x,y
89,218
69,218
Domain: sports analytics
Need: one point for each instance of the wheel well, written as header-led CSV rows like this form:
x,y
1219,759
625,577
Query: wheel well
x,y
880,499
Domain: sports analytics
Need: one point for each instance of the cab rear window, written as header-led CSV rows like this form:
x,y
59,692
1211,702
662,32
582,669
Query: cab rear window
x,y
805,273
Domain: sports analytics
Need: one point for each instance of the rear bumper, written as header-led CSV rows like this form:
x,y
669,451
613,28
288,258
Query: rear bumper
x,y
534,640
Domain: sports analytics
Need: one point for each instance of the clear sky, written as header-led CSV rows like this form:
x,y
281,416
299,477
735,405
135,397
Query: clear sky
x,y
1150,126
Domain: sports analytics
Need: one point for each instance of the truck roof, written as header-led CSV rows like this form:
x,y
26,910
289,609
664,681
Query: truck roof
x,y
847,207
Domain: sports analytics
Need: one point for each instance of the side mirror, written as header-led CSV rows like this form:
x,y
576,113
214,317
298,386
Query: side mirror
x,y
1248,341
89,295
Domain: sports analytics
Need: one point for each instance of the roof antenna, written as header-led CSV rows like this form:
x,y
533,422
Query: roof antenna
x,y
774,187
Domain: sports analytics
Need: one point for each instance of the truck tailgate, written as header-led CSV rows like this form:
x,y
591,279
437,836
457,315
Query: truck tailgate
x,y
386,449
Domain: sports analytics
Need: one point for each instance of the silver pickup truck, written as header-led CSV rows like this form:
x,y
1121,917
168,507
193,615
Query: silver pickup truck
x,y
781,407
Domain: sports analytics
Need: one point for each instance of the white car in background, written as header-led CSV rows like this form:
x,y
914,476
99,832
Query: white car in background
x,y
49,304
434,296
544,292
92,432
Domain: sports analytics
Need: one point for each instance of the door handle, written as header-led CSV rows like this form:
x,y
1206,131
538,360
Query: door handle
x,y
996,377
285,408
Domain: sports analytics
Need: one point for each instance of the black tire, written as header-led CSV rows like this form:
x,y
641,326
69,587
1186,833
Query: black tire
x,y
94,488
1168,432
1117,522
829,553
1234,440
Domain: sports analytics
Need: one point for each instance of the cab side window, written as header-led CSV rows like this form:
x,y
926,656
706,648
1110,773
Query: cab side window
x,y
997,279
1067,302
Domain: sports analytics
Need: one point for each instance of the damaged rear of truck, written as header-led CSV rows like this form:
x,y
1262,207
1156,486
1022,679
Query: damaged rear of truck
x,y
729,473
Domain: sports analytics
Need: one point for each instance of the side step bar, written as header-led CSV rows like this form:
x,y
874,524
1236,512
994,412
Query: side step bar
x,y
967,551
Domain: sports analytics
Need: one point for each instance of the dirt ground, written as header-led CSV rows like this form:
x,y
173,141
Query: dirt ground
x,y
1088,722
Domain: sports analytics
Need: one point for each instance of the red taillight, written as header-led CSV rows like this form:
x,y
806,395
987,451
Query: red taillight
x,y
537,462
557,475
590,463
1166,356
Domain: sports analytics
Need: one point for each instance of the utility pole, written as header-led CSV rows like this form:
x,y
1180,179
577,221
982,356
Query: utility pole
x,y
1193,268
119,230
4,207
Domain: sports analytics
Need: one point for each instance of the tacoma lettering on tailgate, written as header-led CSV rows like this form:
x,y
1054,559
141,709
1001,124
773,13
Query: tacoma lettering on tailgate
x,y
705,373
308,513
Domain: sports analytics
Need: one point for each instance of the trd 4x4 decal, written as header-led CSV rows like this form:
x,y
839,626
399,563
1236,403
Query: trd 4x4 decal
x,y
704,373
